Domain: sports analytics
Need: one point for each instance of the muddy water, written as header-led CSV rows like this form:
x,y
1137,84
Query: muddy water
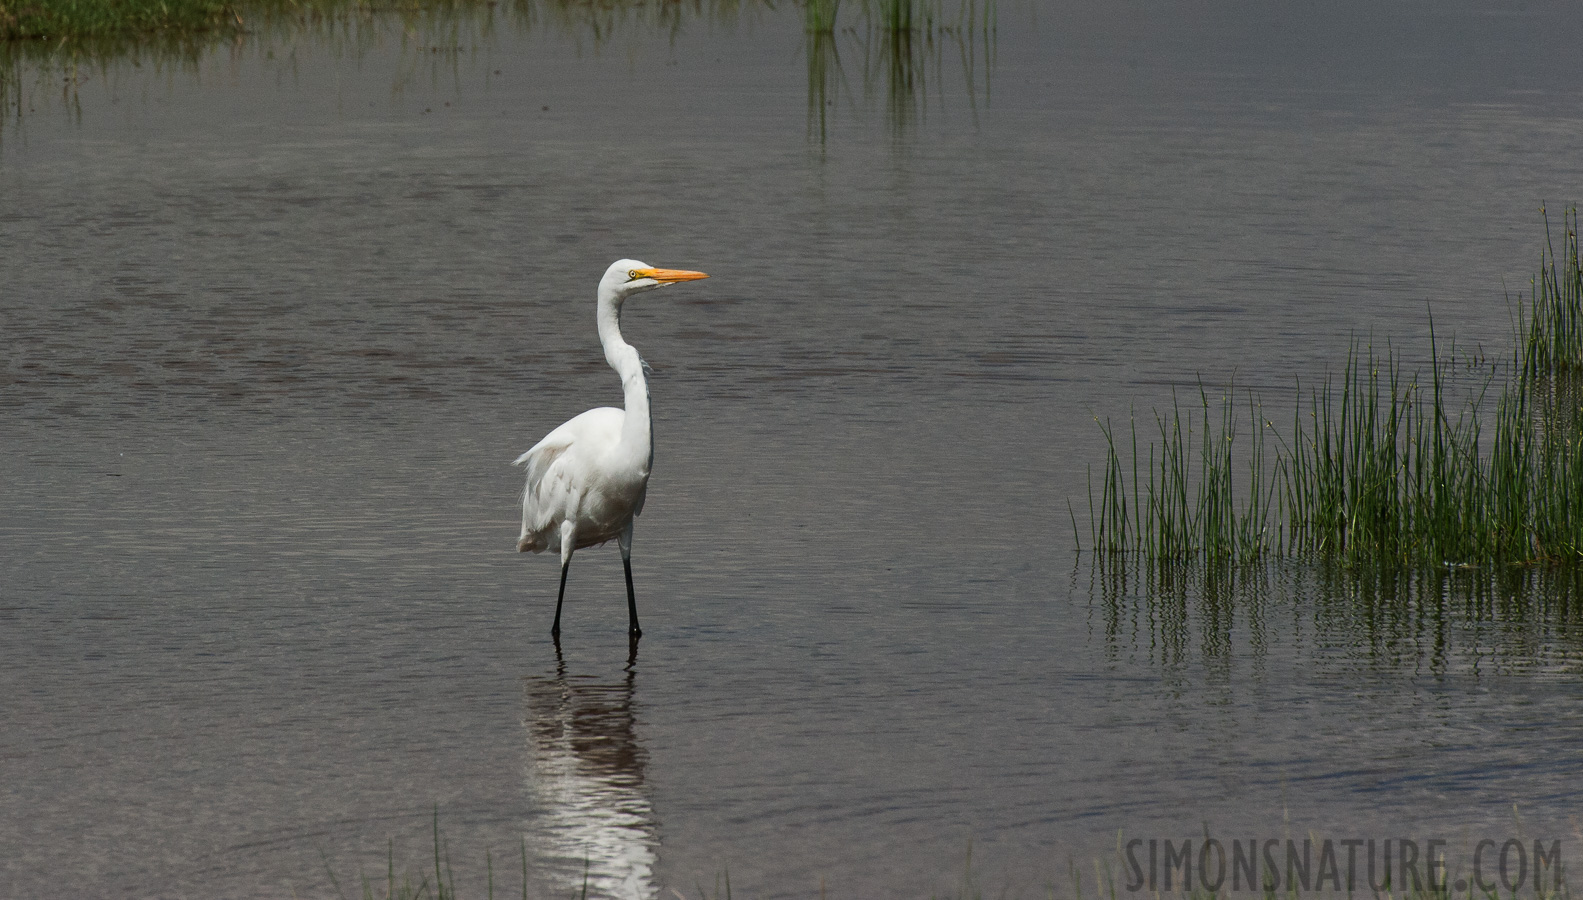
x,y
275,323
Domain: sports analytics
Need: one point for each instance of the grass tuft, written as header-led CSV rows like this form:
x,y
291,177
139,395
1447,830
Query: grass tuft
x,y
1383,466
1554,336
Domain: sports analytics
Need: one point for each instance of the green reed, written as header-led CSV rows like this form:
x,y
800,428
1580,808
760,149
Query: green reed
x,y
1180,498
1381,466
1554,334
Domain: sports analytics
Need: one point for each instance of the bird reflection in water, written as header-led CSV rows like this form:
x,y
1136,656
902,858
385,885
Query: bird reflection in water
x,y
595,824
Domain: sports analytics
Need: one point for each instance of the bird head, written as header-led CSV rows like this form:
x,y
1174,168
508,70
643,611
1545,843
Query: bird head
x,y
626,277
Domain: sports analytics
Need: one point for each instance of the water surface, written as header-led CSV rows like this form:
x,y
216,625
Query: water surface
x,y
275,323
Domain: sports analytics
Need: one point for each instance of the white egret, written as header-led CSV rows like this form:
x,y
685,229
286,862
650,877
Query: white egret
x,y
587,479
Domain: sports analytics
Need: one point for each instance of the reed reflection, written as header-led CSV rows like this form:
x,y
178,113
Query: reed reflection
x,y
585,766
1177,613
906,54
1448,619
599,21
903,47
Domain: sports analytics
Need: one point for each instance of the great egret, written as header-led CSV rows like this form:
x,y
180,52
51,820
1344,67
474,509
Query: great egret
x,y
587,478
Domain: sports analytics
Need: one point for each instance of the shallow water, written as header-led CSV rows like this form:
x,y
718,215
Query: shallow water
x,y
276,323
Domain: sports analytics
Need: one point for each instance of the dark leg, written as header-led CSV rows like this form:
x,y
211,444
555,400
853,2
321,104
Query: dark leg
x,y
632,602
555,630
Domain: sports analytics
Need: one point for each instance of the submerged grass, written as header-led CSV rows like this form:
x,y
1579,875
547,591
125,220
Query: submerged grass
x,y
50,47
97,19
438,884
72,20
106,27
923,16
1383,466
1113,879
939,53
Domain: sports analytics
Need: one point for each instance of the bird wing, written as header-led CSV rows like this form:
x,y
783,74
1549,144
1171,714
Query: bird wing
x,y
595,426
543,453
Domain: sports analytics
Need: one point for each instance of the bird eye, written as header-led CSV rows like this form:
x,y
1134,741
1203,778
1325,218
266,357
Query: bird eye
x,y
632,275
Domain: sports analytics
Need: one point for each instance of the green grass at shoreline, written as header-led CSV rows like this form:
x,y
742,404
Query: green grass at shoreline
x,y
97,20
55,20
1381,465
109,26
49,45
55,45
118,25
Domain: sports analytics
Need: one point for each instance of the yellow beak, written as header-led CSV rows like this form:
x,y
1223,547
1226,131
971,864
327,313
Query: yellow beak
x,y
669,276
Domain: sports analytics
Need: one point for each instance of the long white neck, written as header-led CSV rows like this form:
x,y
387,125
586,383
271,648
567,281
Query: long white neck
x,y
637,433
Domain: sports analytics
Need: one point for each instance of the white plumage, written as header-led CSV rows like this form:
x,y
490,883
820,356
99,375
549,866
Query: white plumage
x,y
588,478
569,483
